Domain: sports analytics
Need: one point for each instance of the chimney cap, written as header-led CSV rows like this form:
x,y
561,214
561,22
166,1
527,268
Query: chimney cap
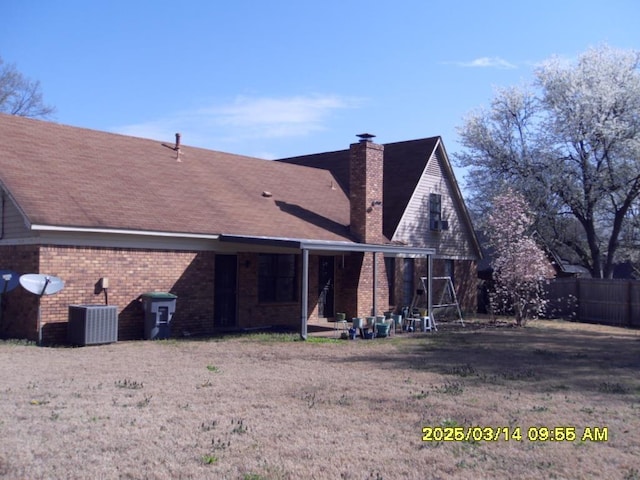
x,y
365,137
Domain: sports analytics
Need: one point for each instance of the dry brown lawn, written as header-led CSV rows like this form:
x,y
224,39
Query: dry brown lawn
x,y
267,407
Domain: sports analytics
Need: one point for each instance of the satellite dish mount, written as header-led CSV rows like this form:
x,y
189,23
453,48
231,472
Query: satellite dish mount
x,y
41,285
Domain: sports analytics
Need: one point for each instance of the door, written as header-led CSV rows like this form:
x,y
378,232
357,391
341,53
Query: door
x,y
325,287
225,291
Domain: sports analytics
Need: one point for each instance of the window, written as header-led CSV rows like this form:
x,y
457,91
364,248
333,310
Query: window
x,y
277,280
435,213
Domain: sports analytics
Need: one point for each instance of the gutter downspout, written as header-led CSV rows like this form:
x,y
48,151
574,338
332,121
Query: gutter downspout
x,y
304,301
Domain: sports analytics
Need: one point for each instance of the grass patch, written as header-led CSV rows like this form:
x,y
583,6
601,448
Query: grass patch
x,y
144,402
167,341
239,426
323,340
466,370
450,388
419,396
632,474
18,342
129,384
209,459
260,406
270,337
543,352
613,387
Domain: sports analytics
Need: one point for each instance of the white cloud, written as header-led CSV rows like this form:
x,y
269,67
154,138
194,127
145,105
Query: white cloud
x,y
244,118
247,112
487,62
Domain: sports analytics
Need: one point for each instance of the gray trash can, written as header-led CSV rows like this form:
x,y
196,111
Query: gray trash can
x,y
159,308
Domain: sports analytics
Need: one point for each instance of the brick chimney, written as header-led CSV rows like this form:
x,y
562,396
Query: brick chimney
x,y
365,185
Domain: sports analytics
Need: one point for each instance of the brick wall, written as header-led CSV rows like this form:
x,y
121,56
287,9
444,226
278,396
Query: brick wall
x,y
347,280
131,272
190,275
354,285
365,190
253,313
466,276
20,308
353,292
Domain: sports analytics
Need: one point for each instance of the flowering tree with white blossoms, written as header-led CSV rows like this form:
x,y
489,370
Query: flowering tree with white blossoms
x,y
570,142
520,266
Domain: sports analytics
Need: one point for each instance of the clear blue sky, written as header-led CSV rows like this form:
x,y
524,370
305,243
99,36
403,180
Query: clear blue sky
x,y
277,78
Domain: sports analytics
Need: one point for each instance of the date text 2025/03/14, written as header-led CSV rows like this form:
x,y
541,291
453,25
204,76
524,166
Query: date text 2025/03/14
x,y
532,434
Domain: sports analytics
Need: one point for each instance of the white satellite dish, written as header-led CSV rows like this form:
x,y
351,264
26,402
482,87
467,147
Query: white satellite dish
x,y
39,284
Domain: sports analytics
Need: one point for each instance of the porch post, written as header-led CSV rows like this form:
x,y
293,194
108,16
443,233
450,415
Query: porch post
x,y
304,301
429,285
374,310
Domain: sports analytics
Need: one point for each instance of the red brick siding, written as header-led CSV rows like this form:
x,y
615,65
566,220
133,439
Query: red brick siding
x,y
466,277
131,272
354,286
20,314
365,188
253,313
188,274
347,280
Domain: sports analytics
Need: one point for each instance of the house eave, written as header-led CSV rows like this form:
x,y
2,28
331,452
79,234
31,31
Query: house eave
x,y
118,231
328,245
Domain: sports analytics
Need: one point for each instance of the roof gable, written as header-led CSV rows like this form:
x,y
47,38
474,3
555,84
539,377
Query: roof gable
x,y
413,228
66,176
412,170
404,163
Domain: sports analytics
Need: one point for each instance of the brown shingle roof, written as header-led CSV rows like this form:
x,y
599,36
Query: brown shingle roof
x,y
404,163
73,177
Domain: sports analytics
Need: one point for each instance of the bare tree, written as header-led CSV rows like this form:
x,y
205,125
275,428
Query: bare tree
x,y
570,143
19,95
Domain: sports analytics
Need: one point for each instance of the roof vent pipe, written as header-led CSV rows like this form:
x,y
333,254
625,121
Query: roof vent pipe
x,y
177,147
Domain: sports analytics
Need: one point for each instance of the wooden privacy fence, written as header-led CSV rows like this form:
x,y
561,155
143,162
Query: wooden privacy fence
x,y
594,300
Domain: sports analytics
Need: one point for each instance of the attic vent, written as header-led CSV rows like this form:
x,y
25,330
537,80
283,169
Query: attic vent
x,y
267,194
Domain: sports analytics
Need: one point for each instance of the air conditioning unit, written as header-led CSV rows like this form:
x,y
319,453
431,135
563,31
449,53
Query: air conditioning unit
x,y
92,324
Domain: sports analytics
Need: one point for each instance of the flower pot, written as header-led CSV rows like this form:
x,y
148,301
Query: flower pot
x,y
382,329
